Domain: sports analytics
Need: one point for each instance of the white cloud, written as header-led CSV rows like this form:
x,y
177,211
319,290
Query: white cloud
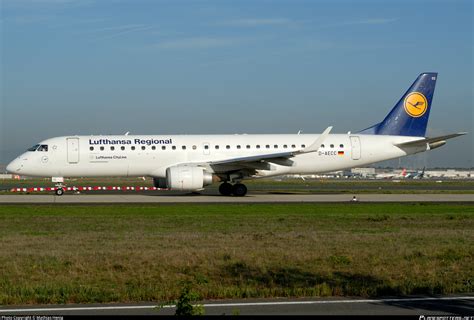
x,y
197,43
255,22
373,21
376,21
121,27
117,31
52,3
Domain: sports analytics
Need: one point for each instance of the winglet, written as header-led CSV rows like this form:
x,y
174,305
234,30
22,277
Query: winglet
x,y
317,144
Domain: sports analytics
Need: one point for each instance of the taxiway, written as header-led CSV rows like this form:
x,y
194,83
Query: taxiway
x,y
461,305
251,198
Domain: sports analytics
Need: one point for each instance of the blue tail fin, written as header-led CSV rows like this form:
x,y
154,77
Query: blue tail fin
x,y
410,115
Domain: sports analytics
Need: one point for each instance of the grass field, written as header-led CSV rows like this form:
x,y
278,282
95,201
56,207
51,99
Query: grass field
x,y
85,254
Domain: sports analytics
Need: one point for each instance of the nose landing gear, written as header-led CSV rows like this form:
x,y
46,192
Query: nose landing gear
x,y
238,189
59,191
58,185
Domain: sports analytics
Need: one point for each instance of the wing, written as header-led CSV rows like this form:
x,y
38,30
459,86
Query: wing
x,y
263,161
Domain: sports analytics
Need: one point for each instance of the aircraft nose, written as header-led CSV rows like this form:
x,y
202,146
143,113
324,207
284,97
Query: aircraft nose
x,y
13,166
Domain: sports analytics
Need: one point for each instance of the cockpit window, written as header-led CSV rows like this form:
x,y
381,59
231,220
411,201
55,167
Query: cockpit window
x,y
43,147
33,148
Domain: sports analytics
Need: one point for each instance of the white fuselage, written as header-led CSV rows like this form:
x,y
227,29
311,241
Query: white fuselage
x,y
127,155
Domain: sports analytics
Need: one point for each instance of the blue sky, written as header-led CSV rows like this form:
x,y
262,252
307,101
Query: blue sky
x,y
163,67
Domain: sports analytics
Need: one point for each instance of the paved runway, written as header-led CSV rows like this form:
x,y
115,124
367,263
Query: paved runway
x,y
461,305
251,198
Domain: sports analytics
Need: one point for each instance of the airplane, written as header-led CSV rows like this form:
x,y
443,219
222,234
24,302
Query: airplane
x,y
413,174
404,174
192,162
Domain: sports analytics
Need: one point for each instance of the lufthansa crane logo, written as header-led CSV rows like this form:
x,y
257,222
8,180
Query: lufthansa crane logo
x,y
415,104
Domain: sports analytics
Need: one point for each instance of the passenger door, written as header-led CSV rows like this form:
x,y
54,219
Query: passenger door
x,y
355,148
72,150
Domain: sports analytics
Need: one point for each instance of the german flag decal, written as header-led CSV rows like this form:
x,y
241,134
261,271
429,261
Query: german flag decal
x,y
340,153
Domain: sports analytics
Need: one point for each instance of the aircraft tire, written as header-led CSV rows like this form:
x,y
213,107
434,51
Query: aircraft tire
x,y
59,191
225,189
239,190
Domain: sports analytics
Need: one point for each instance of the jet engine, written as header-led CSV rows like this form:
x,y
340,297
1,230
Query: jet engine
x,y
185,178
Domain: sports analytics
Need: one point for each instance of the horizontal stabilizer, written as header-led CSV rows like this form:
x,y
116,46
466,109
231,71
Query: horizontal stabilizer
x,y
424,141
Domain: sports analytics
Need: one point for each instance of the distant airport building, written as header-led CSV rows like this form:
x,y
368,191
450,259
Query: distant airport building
x,y
363,172
449,174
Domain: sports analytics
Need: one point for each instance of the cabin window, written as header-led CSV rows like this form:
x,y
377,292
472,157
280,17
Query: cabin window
x,y
332,146
293,146
248,146
143,147
275,146
257,146
163,147
303,146
133,148
112,148
173,147
183,147
91,148
33,148
206,147
217,147
227,147
194,147
238,146
101,148
122,148
285,146
341,146
267,146
322,146
153,148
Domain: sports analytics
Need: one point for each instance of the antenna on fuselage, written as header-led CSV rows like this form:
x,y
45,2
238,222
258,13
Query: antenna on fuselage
x,y
126,133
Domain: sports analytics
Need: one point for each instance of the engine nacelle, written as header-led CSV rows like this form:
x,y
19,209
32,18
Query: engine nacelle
x,y
187,178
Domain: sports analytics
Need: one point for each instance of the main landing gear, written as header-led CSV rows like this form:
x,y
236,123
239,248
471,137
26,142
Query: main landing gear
x,y
238,189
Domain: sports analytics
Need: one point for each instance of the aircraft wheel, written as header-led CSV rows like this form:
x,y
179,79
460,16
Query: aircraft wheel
x,y
225,189
239,190
59,191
